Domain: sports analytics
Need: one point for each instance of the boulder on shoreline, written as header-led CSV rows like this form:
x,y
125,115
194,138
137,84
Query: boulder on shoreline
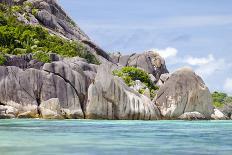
x,y
218,115
25,90
184,91
192,116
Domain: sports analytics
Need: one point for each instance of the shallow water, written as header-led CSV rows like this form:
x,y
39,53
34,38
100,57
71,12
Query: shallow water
x,y
23,137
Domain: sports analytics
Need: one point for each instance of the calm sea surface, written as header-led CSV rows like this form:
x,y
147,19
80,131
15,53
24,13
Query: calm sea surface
x,y
35,137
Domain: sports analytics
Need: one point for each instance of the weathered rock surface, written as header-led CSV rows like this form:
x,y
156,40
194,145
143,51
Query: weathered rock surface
x,y
110,98
163,78
218,115
8,112
50,109
150,61
227,110
27,89
49,14
192,116
183,92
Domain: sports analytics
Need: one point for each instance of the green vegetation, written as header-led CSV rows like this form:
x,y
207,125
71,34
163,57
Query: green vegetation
x,y
220,99
35,11
16,8
29,4
2,59
72,23
141,91
42,57
17,39
131,74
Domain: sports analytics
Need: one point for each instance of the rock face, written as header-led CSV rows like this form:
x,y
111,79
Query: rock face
x,y
110,98
192,116
50,109
150,61
227,110
26,90
183,92
49,14
218,115
7,112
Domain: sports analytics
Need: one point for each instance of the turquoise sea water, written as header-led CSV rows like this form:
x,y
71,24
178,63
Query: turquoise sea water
x,y
35,137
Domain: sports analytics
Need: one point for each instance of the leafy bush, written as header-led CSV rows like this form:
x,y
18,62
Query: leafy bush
x,y
2,59
3,20
16,8
35,11
19,51
220,99
27,4
131,74
42,57
141,91
17,38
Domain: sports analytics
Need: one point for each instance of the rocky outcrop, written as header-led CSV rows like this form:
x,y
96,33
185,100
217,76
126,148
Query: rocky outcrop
x,y
110,98
26,90
184,91
71,88
50,109
218,115
50,15
192,116
227,110
150,62
163,78
7,112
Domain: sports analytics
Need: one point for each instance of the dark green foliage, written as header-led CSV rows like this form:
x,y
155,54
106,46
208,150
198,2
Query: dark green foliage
x,y
42,57
130,74
3,20
141,91
17,38
220,99
35,11
72,23
16,8
2,59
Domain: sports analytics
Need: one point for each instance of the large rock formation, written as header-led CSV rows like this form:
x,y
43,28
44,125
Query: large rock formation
x,y
26,89
111,98
51,16
150,62
73,88
183,92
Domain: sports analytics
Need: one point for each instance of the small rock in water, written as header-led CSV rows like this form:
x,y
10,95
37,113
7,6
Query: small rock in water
x,y
192,116
218,115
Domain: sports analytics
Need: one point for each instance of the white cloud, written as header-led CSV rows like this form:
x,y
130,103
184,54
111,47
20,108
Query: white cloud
x,y
228,85
210,68
194,61
166,53
203,66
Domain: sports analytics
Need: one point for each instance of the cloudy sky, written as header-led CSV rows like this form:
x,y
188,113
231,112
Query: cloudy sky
x,y
193,33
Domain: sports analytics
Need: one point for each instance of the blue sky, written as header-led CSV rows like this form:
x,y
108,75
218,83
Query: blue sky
x,y
195,33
